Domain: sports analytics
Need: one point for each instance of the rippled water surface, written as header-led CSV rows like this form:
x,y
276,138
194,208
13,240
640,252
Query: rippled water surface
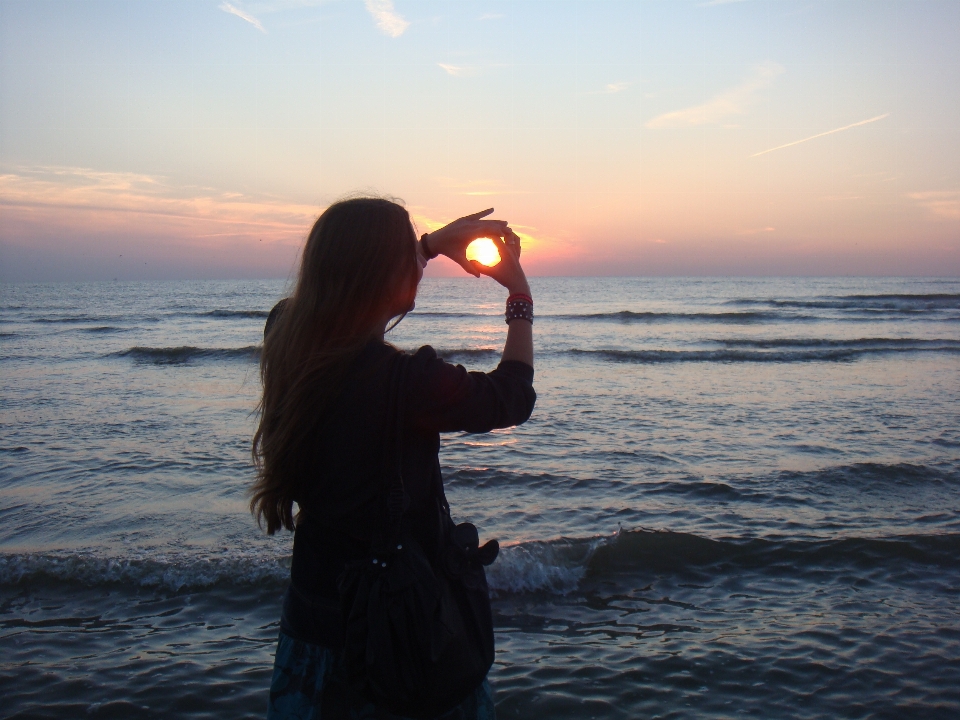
x,y
735,497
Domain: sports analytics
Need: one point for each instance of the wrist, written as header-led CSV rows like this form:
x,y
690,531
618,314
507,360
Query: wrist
x,y
520,288
519,307
430,251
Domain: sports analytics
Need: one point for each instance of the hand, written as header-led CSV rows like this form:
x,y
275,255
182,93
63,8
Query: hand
x,y
507,272
452,240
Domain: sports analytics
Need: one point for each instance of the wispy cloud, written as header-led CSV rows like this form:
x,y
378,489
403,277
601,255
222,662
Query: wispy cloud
x,y
458,70
272,6
228,8
481,188
107,198
945,203
732,102
612,88
819,135
388,19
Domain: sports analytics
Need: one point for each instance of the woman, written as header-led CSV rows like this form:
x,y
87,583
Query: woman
x,y
325,425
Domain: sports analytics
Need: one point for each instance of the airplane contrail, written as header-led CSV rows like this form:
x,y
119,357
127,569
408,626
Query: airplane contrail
x,y
828,132
228,8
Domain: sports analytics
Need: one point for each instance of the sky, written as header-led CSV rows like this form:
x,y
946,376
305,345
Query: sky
x,y
201,139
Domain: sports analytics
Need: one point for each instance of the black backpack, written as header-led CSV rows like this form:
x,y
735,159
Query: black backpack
x,y
418,635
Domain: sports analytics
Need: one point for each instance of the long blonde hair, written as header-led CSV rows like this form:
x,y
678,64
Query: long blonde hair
x,y
358,265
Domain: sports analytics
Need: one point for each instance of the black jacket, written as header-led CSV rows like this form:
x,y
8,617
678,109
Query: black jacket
x,y
343,507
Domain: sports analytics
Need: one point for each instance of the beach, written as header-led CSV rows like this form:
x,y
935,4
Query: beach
x,y
735,497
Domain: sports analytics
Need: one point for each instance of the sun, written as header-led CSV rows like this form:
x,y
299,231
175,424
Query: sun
x,y
483,251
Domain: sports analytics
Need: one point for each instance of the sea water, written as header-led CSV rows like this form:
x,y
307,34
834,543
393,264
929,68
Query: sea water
x,y
734,498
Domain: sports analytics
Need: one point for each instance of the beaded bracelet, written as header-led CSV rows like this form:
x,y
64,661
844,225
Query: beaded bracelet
x,y
519,307
426,248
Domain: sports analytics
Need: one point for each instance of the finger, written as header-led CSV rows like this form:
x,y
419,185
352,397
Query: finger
x,y
513,240
504,244
476,268
497,227
468,265
503,248
477,216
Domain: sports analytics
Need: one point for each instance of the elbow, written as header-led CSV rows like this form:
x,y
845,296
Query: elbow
x,y
530,399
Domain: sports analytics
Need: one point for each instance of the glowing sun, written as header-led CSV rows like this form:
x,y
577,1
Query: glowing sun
x,y
483,251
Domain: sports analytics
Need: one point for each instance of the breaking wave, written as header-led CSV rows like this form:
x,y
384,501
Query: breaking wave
x,y
432,313
248,314
469,353
76,319
103,329
555,567
734,318
896,303
560,566
778,350
169,572
185,354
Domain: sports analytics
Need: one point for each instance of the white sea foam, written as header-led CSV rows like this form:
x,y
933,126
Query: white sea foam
x,y
553,567
170,572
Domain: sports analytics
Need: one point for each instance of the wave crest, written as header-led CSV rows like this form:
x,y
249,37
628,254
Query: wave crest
x,y
168,572
628,316
900,303
250,314
556,567
779,350
187,353
469,353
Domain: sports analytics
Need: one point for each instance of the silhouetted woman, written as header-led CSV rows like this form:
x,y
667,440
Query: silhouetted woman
x,y
324,424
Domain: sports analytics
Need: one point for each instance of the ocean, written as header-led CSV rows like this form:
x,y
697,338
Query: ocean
x,y
735,497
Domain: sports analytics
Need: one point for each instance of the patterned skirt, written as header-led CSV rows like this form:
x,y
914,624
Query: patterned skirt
x,y
308,684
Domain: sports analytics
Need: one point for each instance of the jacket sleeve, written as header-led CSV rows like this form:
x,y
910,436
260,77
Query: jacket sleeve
x,y
446,398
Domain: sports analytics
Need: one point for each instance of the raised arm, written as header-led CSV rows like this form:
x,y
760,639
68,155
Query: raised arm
x,y
507,272
452,241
